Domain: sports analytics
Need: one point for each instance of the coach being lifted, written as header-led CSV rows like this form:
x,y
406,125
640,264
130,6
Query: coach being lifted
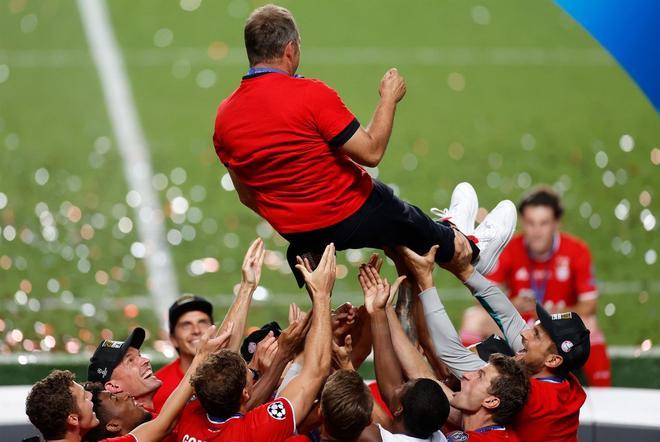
x,y
295,154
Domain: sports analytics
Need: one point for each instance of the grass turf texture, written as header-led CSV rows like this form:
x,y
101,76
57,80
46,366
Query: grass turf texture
x,y
537,111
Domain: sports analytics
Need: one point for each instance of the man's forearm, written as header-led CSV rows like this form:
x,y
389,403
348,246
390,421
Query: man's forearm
x,y
380,126
156,429
389,374
499,307
448,346
318,346
238,313
265,386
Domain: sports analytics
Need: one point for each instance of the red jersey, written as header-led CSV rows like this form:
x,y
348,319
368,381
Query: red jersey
x,y
552,411
125,438
494,433
280,136
170,375
271,422
557,283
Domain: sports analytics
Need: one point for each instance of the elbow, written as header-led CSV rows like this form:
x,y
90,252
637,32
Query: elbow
x,y
373,159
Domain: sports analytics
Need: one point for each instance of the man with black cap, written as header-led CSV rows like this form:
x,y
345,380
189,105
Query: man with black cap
x,y
121,368
557,345
189,317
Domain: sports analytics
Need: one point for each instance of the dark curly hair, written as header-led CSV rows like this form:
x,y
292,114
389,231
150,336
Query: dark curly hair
x,y
50,402
219,382
511,386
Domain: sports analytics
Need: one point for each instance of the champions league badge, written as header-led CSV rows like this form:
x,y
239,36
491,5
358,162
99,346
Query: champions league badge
x,y
277,410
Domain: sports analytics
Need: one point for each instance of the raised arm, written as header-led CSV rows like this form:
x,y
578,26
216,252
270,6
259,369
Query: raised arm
x,y
288,342
156,429
447,344
303,389
251,273
367,145
489,295
389,373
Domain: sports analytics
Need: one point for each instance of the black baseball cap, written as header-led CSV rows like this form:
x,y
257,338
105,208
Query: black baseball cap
x,y
109,354
491,345
569,334
188,303
249,345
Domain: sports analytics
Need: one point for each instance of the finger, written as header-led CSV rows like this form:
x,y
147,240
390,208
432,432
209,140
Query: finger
x,y
308,266
432,251
303,270
397,282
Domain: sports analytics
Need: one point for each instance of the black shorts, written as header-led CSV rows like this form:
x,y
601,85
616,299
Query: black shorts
x,y
383,221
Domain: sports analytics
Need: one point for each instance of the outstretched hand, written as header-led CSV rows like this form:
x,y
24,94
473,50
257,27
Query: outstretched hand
x,y
320,281
252,263
341,355
210,342
420,267
377,290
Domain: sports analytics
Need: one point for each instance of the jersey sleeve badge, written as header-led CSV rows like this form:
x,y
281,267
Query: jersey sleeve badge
x,y
277,411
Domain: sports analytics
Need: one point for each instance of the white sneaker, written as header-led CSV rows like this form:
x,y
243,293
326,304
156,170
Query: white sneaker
x,y
462,209
494,234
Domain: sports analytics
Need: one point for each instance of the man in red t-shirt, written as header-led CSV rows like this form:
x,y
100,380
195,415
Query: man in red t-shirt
x,y
189,317
295,154
550,267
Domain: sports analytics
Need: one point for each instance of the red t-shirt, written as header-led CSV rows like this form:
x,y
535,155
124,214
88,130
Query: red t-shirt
x,y
271,422
280,136
125,438
565,278
552,411
170,375
494,433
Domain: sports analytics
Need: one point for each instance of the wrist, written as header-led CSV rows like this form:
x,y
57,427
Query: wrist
x,y
466,273
425,283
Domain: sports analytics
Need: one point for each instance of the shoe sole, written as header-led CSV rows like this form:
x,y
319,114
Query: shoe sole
x,y
489,267
474,209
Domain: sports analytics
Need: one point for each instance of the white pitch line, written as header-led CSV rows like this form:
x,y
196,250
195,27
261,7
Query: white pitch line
x,y
161,278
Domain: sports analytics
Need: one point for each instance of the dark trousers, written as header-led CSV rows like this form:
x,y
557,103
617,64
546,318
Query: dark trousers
x,y
383,221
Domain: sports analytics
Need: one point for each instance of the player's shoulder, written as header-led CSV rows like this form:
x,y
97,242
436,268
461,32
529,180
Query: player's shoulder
x,y
168,369
572,242
275,411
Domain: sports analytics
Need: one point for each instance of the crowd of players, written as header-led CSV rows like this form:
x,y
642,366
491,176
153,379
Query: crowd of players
x,y
294,152
302,384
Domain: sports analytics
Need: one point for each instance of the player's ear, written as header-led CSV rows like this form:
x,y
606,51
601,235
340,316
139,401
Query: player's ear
x,y
553,360
245,396
113,426
112,387
72,420
491,402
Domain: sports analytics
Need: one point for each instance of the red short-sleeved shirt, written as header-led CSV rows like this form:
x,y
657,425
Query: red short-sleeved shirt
x,y
565,278
125,438
495,434
271,422
552,411
280,136
170,375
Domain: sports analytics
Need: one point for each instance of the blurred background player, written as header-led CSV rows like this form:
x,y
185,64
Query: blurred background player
x,y
542,264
